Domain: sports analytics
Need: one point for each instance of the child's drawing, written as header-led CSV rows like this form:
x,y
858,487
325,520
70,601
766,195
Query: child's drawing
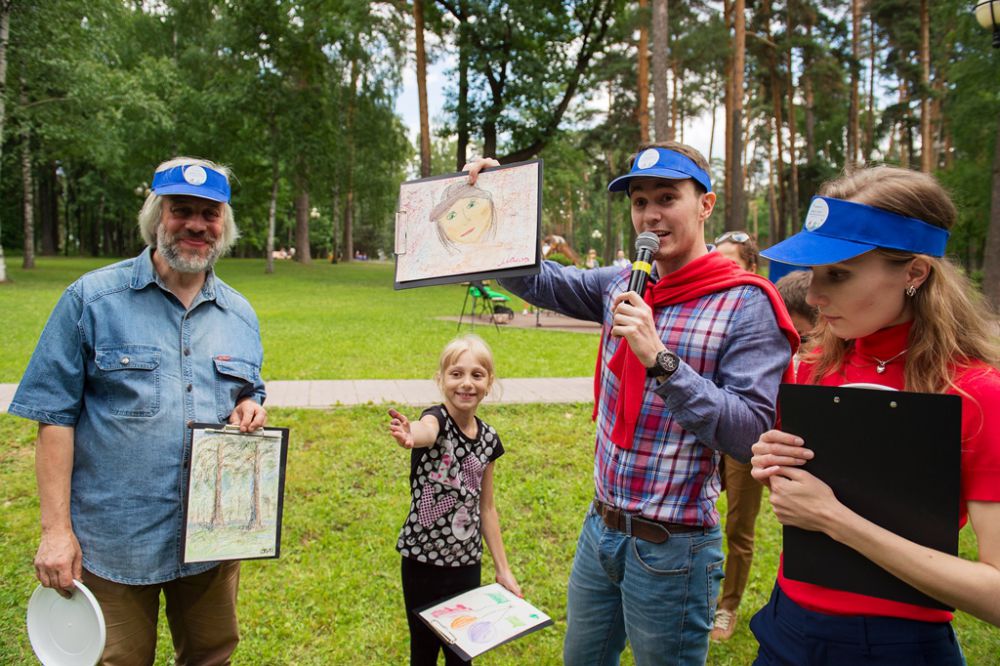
x,y
465,216
234,496
480,620
450,231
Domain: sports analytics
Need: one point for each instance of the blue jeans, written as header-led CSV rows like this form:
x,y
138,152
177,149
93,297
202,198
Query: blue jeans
x,y
660,597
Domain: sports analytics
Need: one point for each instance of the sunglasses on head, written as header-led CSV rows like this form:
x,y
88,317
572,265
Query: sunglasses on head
x,y
733,237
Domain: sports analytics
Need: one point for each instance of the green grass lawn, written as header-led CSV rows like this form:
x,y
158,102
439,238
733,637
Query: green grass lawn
x,y
334,595
321,321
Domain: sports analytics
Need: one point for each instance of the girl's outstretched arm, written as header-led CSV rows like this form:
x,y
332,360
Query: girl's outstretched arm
x,y
421,434
490,522
802,500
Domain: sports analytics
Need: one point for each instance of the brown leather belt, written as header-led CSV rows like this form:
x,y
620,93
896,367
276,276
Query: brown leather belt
x,y
644,528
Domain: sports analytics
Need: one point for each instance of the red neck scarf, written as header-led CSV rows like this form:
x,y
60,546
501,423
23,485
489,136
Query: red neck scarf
x,y
707,274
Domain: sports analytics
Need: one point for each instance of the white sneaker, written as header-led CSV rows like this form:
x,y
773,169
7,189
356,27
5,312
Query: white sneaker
x,y
725,625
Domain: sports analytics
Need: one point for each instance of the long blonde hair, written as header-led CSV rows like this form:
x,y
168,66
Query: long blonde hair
x,y
952,324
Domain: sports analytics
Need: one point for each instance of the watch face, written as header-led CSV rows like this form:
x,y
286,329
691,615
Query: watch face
x,y
667,361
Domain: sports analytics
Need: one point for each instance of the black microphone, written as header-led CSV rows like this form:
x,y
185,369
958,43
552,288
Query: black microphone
x,y
645,245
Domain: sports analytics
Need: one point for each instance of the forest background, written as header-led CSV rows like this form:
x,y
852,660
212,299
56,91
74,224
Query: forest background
x,y
298,97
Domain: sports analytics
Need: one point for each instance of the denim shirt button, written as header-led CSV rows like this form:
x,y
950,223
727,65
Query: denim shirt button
x,y
189,387
187,351
125,360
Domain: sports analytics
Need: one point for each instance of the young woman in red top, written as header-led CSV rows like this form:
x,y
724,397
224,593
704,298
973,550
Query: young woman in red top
x,y
892,312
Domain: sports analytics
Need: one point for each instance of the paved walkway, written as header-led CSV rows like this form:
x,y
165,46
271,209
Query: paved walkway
x,y
320,394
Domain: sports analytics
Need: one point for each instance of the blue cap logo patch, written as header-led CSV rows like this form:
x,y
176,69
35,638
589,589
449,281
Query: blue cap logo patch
x,y
195,175
648,158
818,212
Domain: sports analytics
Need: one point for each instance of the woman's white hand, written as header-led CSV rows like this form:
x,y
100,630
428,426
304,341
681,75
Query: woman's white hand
x,y
775,450
801,500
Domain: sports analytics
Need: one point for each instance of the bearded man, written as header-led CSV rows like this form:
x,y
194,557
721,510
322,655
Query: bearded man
x,y
130,355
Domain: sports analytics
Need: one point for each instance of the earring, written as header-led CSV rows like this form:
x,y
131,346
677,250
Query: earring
x,y
910,290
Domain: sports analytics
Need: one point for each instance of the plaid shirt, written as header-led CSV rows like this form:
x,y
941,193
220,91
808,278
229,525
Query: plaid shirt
x,y
720,399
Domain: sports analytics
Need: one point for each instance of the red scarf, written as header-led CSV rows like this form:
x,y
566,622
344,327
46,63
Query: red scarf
x,y
705,275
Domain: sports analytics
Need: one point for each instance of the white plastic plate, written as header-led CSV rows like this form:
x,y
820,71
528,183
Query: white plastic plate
x,y
66,632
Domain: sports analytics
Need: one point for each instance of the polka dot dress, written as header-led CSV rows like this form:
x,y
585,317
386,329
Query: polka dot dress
x,y
445,481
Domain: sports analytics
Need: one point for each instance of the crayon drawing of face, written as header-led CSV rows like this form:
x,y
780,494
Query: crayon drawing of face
x,y
465,216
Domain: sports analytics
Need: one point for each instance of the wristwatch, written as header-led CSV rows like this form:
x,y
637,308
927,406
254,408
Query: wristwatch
x,y
666,364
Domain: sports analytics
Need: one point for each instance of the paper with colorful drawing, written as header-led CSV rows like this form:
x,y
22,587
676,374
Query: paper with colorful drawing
x,y
479,620
449,231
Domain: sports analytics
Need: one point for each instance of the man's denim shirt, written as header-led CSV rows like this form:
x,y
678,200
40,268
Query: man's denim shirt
x,y
124,364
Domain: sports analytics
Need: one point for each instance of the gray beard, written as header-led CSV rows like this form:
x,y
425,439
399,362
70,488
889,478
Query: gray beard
x,y
166,245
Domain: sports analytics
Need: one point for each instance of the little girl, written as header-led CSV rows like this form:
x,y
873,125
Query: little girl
x,y
451,484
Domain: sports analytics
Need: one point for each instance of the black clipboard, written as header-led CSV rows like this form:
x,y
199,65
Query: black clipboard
x,y
893,457
415,206
234,495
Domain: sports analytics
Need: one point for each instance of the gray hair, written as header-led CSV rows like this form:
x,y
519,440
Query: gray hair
x,y
152,209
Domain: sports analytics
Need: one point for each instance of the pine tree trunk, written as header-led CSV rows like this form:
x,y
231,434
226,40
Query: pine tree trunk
x,y
661,101
4,38
48,210
302,250
272,214
571,217
28,187
991,254
675,107
711,137
778,136
853,125
642,74
737,218
905,143
772,199
807,91
926,139
609,214
462,105
348,230
793,176
490,134
870,118
728,106
425,132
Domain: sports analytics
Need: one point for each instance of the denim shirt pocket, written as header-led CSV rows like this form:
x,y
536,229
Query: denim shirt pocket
x,y
234,380
129,376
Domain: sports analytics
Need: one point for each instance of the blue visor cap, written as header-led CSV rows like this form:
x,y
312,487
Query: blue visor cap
x,y
662,163
194,180
837,230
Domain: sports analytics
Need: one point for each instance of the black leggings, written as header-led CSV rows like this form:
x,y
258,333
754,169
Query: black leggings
x,y
423,584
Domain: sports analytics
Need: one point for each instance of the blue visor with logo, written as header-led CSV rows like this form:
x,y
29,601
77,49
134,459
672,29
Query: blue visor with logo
x,y
836,230
662,163
194,180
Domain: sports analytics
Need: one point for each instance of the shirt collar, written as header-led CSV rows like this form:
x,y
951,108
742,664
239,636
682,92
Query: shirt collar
x,y
144,273
885,342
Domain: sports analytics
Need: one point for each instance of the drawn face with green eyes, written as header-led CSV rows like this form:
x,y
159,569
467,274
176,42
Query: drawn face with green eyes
x,y
465,216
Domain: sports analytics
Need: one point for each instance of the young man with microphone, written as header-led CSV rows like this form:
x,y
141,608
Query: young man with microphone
x,y
686,372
